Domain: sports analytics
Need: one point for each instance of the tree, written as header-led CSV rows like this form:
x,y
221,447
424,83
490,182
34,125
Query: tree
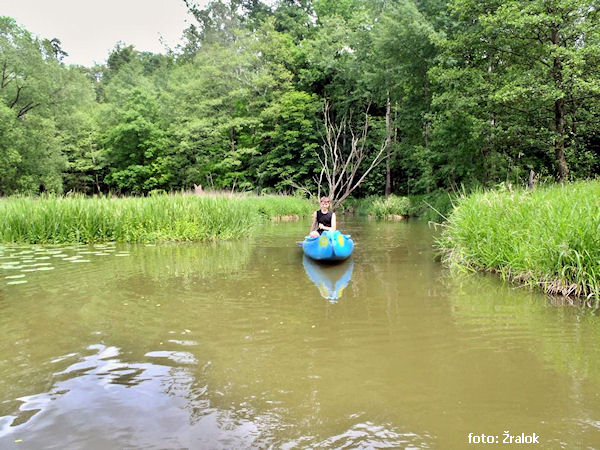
x,y
218,103
27,80
135,145
397,71
34,92
288,141
218,22
534,64
344,169
561,38
11,138
79,125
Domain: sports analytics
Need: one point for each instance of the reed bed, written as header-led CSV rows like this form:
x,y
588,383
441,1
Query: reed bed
x,y
380,207
79,219
433,207
550,237
391,206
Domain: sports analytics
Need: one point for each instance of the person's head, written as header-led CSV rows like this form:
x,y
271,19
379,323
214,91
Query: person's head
x,y
325,202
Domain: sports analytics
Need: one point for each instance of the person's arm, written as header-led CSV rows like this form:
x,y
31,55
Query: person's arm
x,y
314,226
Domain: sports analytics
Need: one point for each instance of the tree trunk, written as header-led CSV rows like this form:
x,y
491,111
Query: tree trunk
x,y
427,100
559,142
487,148
232,139
388,137
388,176
531,180
559,116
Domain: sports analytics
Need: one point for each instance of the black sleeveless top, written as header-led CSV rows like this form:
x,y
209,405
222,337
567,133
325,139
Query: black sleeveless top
x,y
325,219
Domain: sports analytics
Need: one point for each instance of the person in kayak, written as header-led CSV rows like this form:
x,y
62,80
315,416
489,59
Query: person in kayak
x,y
323,219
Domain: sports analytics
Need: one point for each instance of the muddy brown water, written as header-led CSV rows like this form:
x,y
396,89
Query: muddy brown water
x,y
247,345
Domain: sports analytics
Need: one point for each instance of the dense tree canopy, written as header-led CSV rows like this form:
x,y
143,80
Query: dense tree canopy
x,y
479,93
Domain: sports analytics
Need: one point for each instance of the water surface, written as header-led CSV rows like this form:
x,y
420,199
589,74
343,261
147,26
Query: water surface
x,y
245,344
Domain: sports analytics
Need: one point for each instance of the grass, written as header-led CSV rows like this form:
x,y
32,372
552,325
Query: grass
x,y
550,237
157,218
392,205
379,207
433,207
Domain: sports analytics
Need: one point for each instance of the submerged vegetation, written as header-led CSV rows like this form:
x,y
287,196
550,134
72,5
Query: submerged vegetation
x,y
549,237
139,219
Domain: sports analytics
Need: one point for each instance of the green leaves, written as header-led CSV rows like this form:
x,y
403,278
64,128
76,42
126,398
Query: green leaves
x,y
289,140
480,92
524,69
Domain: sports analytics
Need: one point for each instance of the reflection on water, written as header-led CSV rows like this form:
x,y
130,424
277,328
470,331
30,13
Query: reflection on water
x,y
102,390
230,345
21,264
330,279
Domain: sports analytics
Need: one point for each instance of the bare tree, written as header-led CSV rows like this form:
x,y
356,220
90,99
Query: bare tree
x,y
345,169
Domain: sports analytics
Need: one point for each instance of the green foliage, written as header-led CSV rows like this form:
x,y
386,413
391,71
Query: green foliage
x,y
379,207
289,141
35,90
135,146
389,206
548,237
435,207
512,82
480,93
223,104
11,137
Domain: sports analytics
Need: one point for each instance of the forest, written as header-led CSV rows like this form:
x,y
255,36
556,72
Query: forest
x,y
464,94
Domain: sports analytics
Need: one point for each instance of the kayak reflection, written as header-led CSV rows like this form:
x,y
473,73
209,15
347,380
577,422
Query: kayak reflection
x,y
331,280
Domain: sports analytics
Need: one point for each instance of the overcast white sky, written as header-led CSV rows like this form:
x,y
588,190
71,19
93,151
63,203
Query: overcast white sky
x,y
89,29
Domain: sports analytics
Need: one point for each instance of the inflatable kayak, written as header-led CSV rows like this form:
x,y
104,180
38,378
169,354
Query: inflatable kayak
x,y
329,246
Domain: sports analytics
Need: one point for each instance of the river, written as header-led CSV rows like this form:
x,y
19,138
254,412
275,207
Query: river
x,y
247,345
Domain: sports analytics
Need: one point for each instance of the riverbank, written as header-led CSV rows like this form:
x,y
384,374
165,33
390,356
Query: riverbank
x,y
80,219
549,237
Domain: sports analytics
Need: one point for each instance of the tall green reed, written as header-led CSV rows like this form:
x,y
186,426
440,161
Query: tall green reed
x,y
380,207
52,219
550,237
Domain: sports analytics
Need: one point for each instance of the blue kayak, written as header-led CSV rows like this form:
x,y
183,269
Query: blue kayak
x,y
329,246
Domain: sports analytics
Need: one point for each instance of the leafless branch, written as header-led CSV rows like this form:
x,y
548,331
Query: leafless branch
x,y
300,187
16,99
6,77
28,107
341,166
